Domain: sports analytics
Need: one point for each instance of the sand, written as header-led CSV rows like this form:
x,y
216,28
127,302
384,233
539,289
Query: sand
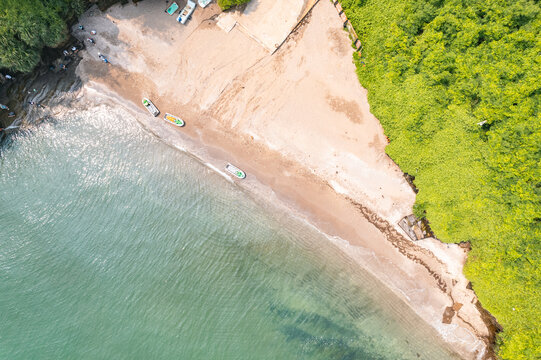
x,y
296,120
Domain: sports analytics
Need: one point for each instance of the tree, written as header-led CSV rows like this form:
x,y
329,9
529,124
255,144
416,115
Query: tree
x,y
26,26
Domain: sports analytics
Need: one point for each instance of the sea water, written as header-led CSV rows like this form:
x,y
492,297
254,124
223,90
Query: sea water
x,y
114,245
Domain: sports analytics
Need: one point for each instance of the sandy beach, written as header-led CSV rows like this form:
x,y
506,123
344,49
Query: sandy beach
x,y
294,117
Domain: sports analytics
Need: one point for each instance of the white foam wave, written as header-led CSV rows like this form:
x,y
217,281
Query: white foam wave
x,y
227,177
338,188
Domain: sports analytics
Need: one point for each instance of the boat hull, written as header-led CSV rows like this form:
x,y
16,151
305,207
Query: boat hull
x,y
174,120
232,169
152,109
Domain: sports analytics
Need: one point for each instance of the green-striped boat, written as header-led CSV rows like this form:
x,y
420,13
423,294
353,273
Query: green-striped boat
x,y
235,171
172,119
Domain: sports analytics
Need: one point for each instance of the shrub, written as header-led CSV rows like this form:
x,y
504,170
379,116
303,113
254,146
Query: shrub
x,y
226,4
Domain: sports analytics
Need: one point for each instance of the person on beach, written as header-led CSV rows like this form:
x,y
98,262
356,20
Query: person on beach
x,y
103,58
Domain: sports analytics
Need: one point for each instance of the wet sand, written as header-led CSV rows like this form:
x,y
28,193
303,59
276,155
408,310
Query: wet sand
x,y
298,123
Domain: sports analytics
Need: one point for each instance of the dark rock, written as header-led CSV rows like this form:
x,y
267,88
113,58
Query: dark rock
x,y
457,306
448,315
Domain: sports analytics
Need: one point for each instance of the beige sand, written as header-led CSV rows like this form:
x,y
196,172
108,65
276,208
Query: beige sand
x,y
270,22
298,122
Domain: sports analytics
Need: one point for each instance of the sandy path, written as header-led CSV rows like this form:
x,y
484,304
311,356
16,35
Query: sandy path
x,y
298,122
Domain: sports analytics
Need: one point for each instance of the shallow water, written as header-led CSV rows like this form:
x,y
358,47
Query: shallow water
x,y
114,245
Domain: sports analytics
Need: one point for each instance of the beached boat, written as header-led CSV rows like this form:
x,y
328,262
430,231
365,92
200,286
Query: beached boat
x,y
172,119
235,171
171,9
150,107
203,3
186,13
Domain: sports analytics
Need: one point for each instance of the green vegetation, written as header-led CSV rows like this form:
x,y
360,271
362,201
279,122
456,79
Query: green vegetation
x,y
26,26
226,4
457,87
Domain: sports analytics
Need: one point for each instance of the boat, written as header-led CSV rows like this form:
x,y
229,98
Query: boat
x,y
150,107
235,171
171,9
203,3
186,13
172,119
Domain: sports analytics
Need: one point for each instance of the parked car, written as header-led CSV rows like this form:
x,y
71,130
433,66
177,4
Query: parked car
x,y
186,13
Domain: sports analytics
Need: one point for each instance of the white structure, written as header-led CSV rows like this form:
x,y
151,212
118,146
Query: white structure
x,y
186,13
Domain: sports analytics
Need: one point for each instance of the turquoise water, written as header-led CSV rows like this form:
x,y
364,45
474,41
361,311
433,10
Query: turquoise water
x,y
114,245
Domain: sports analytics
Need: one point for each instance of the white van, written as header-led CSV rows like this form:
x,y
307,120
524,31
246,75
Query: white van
x,y
186,13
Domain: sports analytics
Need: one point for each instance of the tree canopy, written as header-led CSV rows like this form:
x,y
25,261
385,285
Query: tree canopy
x,y
457,86
26,26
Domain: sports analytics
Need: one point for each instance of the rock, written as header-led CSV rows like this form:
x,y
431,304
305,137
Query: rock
x,y
457,306
448,315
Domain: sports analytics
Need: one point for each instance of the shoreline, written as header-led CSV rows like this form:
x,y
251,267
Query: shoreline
x,y
352,220
367,245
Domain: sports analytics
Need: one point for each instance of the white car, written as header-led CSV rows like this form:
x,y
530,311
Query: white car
x,y
203,3
186,13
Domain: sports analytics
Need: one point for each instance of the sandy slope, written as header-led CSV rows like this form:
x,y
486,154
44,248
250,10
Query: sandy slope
x,y
298,122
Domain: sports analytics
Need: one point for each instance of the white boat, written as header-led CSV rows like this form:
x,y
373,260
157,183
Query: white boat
x,y
172,119
150,107
186,13
235,171
203,3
